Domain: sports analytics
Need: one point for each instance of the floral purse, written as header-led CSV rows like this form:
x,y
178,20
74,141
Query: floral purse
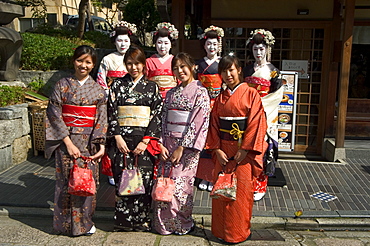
x,y
131,182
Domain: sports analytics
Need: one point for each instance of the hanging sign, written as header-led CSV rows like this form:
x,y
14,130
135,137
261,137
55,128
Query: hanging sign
x,y
287,111
299,66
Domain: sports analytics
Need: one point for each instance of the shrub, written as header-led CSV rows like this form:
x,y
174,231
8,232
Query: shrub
x,y
10,95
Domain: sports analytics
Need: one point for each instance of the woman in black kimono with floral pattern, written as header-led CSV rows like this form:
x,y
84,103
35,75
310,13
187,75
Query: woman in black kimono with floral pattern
x,y
133,138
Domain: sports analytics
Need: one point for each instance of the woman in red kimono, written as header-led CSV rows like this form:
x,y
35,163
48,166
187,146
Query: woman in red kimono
x,y
159,65
236,138
207,70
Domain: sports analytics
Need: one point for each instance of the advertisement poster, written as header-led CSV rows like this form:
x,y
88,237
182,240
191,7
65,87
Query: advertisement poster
x,y
287,111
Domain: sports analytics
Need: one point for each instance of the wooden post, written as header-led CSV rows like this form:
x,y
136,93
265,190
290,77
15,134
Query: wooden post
x,y
178,19
349,13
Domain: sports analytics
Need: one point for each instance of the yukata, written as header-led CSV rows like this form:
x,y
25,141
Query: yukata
x,y
161,73
237,122
134,112
73,214
208,75
265,81
185,123
111,67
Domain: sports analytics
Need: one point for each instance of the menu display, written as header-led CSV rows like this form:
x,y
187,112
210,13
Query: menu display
x,y
287,111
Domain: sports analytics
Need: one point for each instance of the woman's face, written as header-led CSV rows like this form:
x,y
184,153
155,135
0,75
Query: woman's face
x,y
211,46
163,46
134,68
83,66
231,76
259,52
183,72
122,43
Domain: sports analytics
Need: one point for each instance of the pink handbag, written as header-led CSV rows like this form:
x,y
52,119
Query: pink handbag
x,y
81,181
225,187
163,188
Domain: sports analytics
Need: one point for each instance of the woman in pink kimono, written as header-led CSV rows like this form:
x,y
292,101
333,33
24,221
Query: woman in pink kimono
x,y
159,65
70,135
184,131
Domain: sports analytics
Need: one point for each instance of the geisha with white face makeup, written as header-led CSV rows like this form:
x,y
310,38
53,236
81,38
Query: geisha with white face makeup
x,y
259,53
163,46
211,47
122,43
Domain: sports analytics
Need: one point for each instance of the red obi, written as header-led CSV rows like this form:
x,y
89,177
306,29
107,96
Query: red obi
x,y
213,81
79,116
116,74
260,84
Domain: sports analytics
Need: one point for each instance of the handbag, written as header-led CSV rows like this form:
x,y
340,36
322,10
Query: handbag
x,y
81,181
163,188
225,187
131,182
106,165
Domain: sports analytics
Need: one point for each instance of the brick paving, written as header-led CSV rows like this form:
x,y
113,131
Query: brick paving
x,y
31,184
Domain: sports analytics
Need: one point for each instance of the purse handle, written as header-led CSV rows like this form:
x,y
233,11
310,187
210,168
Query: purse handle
x,y
135,161
169,175
85,158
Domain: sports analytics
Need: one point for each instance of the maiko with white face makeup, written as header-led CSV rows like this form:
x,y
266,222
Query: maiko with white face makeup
x,y
212,47
122,43
259,53
163,46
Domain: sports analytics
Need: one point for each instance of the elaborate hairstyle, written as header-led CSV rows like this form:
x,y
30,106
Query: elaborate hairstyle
x,y
123,28
227,61
83,50
261,36
135,53
186,59
166,29
213,32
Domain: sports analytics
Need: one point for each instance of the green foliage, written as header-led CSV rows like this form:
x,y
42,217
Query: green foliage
x,y
36,85
144,14
10,95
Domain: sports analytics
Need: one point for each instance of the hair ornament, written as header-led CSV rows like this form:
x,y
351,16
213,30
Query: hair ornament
x,y
174,34
218,30
267,36
131,27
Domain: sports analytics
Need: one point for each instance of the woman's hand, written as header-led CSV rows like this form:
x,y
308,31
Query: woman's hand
x,y
140,148
121,144
176,155
73,151
221,156
240,155
165,154
99,154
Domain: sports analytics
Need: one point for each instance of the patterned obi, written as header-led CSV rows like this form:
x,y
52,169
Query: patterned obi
x,y
212,82
165,82
116,74
177,121
232,128
134,116
79,116
260,84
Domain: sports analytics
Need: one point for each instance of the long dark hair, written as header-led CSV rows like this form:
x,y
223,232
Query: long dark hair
x,y
137,54
186,59
83,50
226,62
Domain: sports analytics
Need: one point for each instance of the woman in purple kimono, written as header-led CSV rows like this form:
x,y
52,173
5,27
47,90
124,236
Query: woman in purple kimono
x,y
184,131
71,135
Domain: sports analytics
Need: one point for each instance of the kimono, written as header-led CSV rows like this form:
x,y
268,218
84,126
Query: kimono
x,y
185,123
265,81
231,220
111,67
208,75
161,73
73,214
132,212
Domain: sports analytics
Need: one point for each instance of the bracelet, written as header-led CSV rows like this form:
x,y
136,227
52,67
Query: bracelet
x,y
145,143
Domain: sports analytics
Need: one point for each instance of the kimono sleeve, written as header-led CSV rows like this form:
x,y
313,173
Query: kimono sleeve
x,y
113,98
196,133
154,127
213,137
102,74
101,123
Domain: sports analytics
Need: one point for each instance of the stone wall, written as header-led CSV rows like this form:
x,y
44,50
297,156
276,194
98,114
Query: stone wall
x,y
15,140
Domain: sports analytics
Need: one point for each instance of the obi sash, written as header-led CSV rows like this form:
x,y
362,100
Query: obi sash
x,y
116,74
260,84
177,121
232,128
79,116
212,82
165,82
134,116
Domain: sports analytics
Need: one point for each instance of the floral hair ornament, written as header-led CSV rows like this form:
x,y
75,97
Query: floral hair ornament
x,y
174,34
218,30
267,36
131,27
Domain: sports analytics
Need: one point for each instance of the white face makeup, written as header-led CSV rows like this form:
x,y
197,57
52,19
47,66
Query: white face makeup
x,y
259,52
212,47
163,46
122,43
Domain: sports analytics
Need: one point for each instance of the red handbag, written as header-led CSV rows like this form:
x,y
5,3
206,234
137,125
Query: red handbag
x,y
106,165
225,187
163,188
81,181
